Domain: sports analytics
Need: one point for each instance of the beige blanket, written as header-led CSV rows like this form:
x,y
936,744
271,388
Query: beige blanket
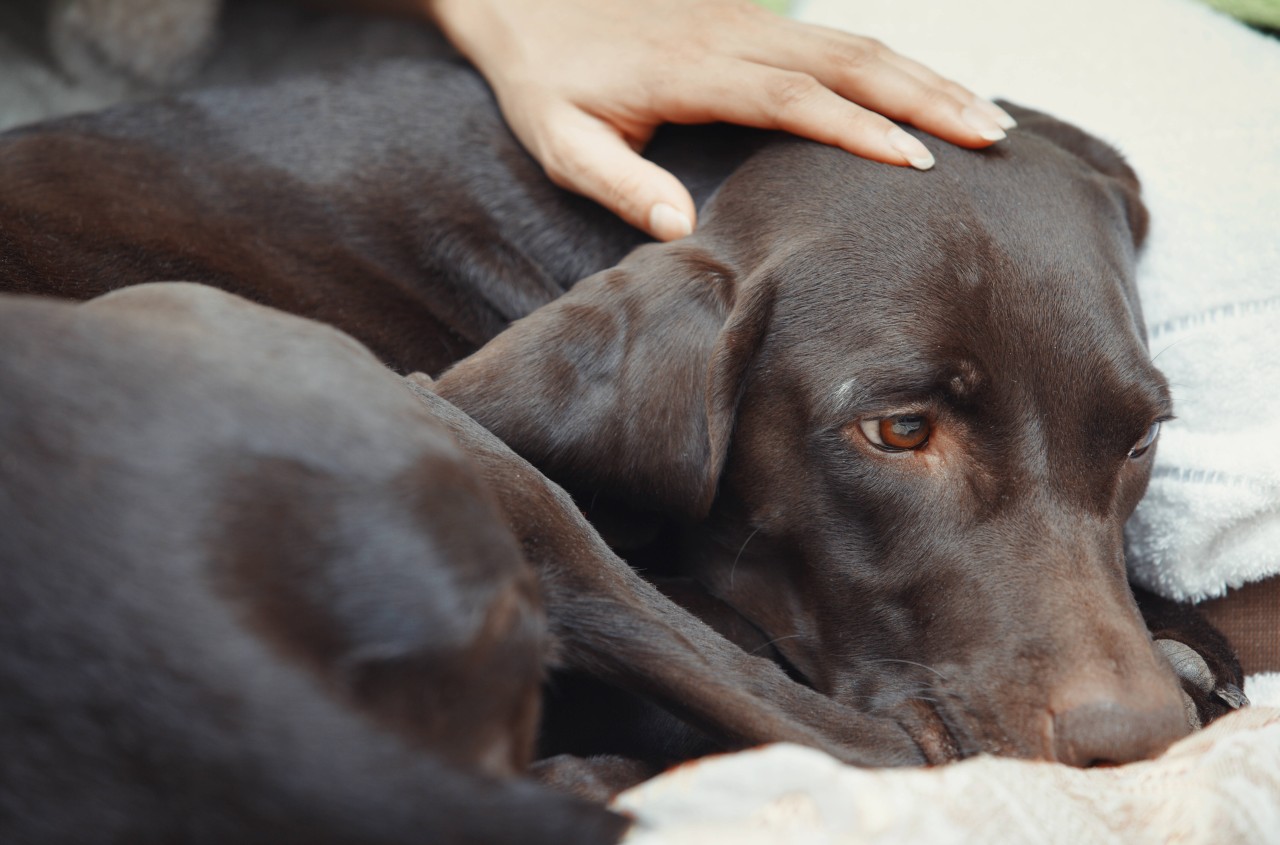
x,y
1220,785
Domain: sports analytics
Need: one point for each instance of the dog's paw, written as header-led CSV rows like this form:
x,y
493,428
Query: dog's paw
x,y
1204,695
1203,659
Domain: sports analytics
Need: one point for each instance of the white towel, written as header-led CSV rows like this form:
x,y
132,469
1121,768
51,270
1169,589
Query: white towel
x,y
1193,99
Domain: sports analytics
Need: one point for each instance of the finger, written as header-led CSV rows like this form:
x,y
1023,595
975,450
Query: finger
x,y
769,98
958,91
585,154
867,72
856,43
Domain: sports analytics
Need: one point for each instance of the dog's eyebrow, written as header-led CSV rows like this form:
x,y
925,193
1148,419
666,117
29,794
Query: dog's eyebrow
x,y
861,393
1163,407
842,395
1155,396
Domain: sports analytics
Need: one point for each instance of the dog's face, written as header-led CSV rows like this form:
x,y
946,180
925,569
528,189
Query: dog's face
x,y
905,417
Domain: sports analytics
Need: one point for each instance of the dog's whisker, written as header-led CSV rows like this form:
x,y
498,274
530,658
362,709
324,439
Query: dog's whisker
x,y
774,640
944,677
738,556
1166,348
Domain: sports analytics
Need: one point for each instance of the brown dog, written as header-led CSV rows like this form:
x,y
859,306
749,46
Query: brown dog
x,y
260,589
902,426
890,423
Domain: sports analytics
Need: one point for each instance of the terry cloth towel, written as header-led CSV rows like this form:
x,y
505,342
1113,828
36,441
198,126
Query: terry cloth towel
x,y
1218,785
1193,99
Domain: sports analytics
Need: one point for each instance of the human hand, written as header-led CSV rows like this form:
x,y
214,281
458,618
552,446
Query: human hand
x,y
584,84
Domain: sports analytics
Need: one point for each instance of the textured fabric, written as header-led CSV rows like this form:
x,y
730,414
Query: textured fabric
x,y
1191,97
122,44
256,41
1218,785
1250,617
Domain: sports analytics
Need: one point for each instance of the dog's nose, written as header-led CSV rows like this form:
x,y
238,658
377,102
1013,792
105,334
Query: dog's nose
x,y
1097,726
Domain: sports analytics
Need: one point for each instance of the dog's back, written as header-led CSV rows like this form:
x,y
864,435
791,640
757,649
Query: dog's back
x,y
387,198
389,202
243,593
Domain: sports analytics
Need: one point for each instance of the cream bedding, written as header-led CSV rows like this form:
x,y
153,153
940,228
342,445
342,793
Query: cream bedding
x,y
1219,785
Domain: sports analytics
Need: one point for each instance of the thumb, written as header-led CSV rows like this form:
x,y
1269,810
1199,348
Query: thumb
x,y
587,155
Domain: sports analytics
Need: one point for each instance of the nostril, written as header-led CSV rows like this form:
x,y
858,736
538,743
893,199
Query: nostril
x,y
1107,732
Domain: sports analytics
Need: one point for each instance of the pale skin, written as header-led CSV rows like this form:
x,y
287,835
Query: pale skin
x,y
584,84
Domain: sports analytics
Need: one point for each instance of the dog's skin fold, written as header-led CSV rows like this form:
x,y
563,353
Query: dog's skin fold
x,y
703,401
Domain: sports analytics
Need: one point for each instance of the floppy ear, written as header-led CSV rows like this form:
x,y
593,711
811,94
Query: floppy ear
x,y
1095,152
627,385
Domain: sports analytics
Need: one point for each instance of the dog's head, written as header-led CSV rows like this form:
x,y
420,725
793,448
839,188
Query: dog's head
x,y
903,418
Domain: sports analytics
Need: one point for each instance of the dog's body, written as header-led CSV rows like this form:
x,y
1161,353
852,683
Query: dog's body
x,y
259,588
227,601
390,202
715,393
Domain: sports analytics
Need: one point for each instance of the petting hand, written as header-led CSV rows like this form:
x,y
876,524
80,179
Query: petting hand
x,y
585,83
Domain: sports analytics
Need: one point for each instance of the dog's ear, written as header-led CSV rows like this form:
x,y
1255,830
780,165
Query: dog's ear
x,y
1095,152
626,386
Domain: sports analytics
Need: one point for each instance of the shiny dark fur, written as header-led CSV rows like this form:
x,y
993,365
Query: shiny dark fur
x,y
700,398
261,589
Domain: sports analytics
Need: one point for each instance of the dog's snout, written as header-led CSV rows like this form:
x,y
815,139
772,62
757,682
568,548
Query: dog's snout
x,y
1097,725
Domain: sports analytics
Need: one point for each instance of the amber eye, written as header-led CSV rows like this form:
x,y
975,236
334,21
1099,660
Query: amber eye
x,y
897,434
1140,448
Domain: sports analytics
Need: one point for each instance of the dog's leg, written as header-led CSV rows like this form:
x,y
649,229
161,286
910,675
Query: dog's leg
x,y
1202,657
596,779
611,624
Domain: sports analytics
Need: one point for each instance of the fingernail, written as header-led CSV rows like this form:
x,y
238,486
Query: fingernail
x,y
999,115
986,128
668,223
912,150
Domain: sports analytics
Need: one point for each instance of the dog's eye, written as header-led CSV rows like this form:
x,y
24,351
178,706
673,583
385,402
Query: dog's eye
x,y
897,434
1140,448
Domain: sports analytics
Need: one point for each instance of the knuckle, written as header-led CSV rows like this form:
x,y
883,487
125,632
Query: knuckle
x,y
932,100
730,12
957,91
854,60
787,91
621,191
874,48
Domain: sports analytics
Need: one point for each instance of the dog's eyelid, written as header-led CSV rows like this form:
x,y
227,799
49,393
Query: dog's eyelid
x,y
1147,440
897,433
